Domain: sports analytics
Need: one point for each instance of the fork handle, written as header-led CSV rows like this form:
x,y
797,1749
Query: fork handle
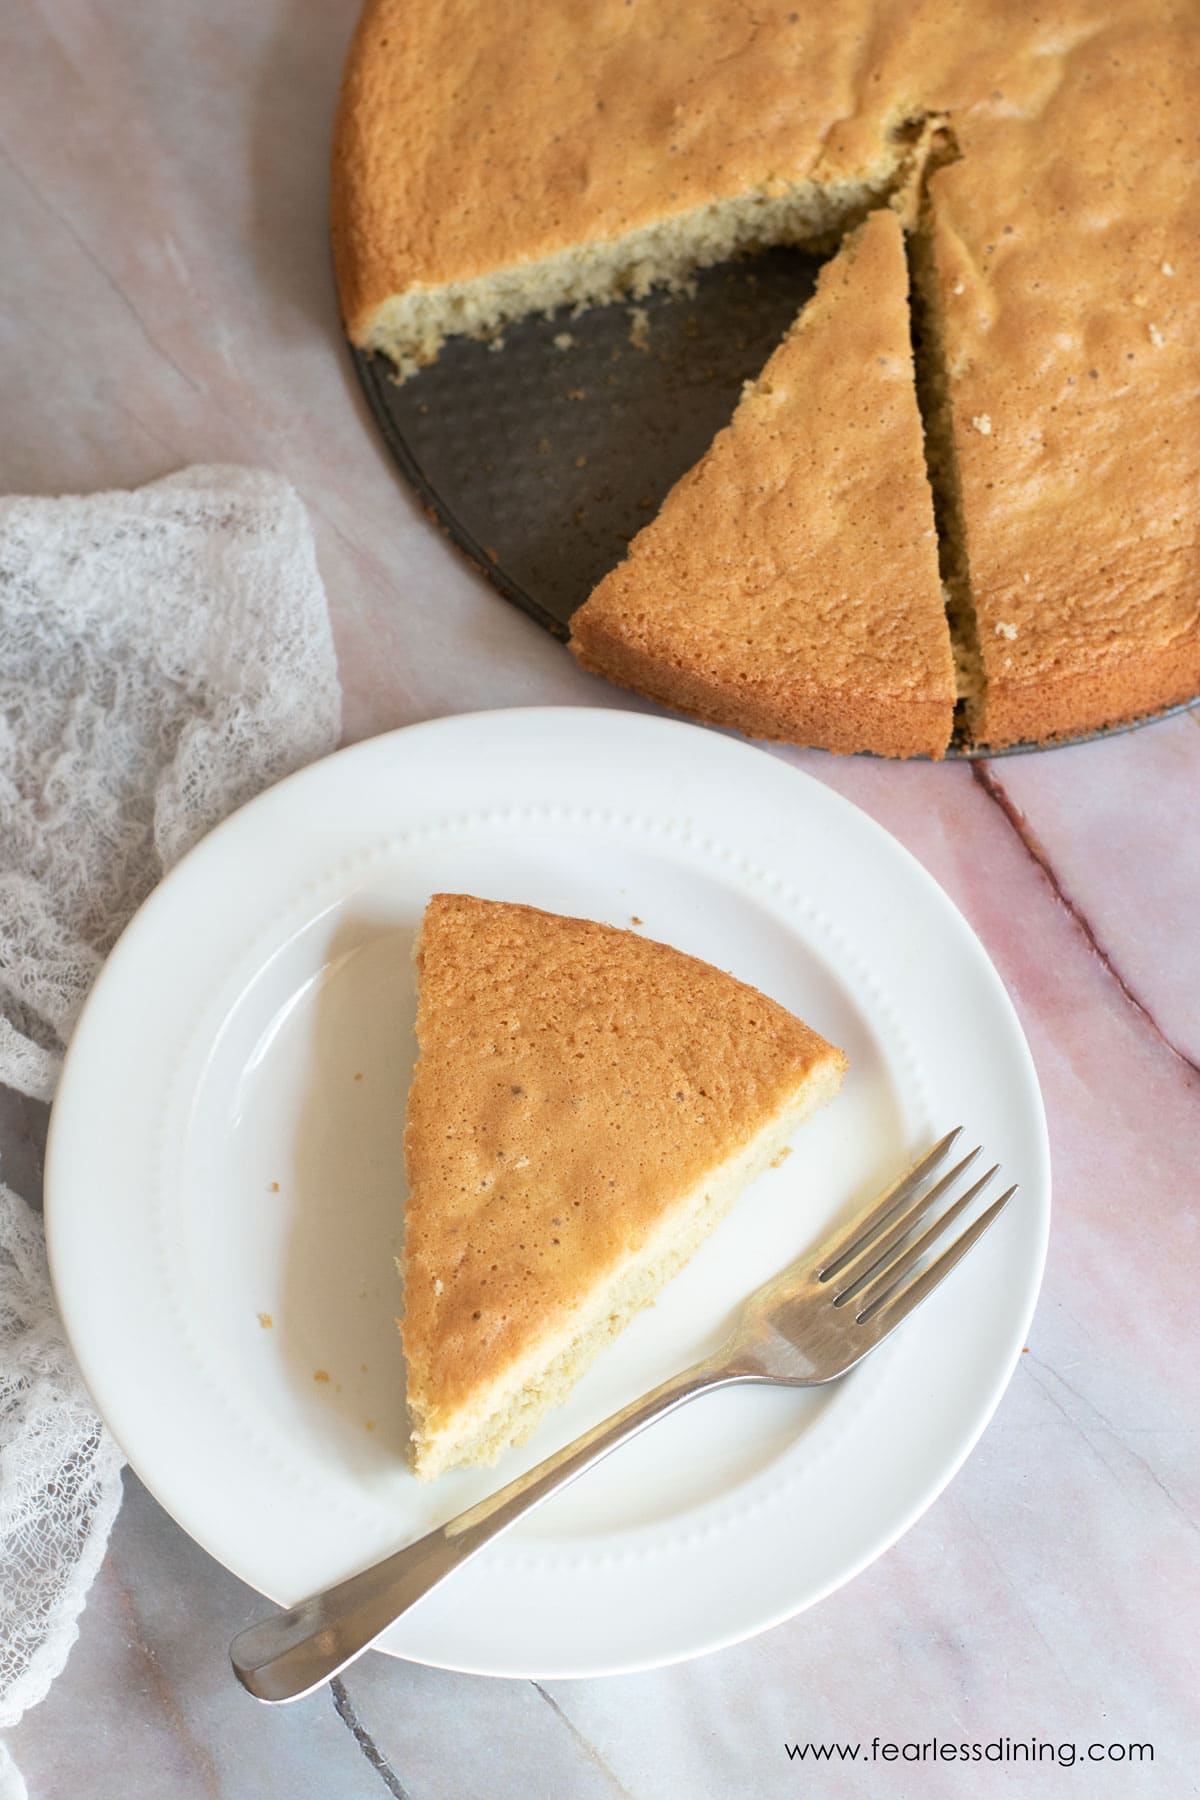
x,y
289,1654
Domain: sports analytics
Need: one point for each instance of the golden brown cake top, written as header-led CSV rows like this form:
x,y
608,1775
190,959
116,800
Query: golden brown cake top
x,y
472,138
573,1080
1069,263
800,554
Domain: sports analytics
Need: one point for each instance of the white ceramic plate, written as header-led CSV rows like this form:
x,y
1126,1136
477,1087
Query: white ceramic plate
x,y
225,1184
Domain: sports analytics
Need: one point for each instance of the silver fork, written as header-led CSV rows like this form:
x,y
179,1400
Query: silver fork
x,y
807,1325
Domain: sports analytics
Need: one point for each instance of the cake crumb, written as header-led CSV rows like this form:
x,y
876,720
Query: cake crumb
x,y
273,1187
634,919
639,327
778,1161
576,393
320,1374
266,1321
581,462
358,1075
496,343
563,341
1004,630
983,424
368,1424
1156,337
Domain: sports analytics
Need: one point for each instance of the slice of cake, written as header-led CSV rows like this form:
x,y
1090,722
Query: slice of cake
x,y
586,1106
789,585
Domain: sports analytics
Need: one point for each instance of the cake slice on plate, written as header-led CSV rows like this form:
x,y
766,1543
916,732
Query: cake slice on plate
x,y
789,585
586,1106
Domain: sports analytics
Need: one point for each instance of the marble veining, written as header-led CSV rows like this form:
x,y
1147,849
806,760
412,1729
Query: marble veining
x,y
994,788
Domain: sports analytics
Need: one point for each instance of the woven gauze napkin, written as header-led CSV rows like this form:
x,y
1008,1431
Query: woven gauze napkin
x,y
164,655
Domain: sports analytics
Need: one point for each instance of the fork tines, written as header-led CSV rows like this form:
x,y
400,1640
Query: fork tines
x,y
867,1262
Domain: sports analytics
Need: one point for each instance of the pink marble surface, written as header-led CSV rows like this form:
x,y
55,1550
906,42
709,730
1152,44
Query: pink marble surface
x,y
165,297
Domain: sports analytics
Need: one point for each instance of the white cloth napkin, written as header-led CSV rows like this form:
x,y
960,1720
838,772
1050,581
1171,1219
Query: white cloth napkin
x,y
164,655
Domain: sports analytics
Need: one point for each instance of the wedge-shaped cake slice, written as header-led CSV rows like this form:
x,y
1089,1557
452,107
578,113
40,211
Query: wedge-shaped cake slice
x,y
789,585
586,1106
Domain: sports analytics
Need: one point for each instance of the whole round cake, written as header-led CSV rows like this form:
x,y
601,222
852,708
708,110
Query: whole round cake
x,y
1044,166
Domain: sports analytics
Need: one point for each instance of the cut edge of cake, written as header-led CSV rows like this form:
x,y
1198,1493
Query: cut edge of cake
x,y
507,1413
941,457
410,327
